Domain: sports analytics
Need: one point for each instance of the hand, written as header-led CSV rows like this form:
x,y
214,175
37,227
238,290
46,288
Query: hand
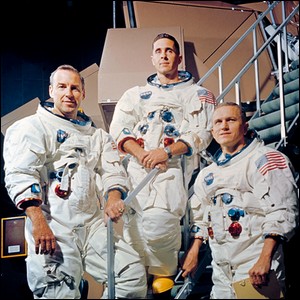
x,y
114,208
190,264
44,238
155,158
45,241
259,273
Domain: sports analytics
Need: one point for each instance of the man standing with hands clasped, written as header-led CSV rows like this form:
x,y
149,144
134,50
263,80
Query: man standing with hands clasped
x,y
156,124
59,169
245,204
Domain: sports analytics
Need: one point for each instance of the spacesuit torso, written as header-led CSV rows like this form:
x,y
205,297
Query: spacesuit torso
x,y
158,115
238,201
69,165
65,159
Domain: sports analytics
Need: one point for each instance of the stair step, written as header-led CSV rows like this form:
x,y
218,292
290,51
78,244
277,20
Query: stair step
x,y
295,64
273,118
273,105
287,88
272,134
290,76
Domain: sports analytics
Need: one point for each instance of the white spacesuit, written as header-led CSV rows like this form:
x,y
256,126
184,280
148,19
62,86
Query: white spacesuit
x,y
69,165
157,115
238,201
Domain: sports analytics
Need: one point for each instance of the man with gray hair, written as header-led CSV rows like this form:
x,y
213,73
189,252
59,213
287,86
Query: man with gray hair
x,y
67,177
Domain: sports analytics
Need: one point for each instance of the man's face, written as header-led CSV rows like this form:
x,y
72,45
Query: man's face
x,y
67,93
164,57
228,128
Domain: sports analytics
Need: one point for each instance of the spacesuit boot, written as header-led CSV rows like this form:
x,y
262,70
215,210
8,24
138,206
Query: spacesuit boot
x,y
161,287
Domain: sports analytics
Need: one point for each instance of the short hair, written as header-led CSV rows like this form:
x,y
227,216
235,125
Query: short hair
x,y
242,111
167,36
68,68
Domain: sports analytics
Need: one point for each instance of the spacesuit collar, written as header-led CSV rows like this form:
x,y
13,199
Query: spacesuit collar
x,y
184,76
84,118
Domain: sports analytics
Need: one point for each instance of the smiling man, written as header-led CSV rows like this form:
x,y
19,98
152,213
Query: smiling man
x,y
59,169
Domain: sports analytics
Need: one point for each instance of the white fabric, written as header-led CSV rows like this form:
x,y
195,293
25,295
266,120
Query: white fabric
x,y
268,199
155,217
89,165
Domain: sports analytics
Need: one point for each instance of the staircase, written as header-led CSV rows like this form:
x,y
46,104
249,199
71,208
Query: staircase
x,y
275,118
267,121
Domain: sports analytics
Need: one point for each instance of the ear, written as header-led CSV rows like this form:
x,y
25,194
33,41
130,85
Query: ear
x,y
50,90
246,127
152,61
179,59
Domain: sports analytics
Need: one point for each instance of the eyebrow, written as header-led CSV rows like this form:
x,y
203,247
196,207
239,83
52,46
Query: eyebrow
x,y
167,48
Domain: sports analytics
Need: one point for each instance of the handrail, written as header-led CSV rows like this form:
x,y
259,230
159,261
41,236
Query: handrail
x,y
254,57
235,82
233,47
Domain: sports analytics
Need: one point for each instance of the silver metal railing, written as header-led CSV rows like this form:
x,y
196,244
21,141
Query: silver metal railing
x,y
280,35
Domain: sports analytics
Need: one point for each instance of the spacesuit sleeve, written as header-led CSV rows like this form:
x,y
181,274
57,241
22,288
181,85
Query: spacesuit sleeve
x,y
199,116
275,186
198,205
111,170
125,117
24,156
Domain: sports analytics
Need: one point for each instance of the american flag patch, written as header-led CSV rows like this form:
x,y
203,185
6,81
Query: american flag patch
x,y
270,161
206,96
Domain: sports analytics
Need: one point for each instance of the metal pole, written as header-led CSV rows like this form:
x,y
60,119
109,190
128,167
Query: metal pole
x,y
281,92
110,236
284,41
256,74
114,14
237,92
131,14
110,260
220,78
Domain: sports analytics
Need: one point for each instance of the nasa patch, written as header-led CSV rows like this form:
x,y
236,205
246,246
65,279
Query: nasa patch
x,y
61,135
146,95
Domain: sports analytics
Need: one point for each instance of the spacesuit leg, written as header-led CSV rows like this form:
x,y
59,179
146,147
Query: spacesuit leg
x,y
130,274
133,232
163,239
54,277
222,278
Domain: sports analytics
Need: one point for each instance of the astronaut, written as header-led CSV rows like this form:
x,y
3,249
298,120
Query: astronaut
x,y
245,204
157,124
64,171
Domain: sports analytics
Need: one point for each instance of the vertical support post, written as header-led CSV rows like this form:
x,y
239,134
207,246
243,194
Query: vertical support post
x,y
256,73
220,70
281,93
110,260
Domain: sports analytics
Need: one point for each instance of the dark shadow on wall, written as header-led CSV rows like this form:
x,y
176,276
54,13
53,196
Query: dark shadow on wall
x,y
190,63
